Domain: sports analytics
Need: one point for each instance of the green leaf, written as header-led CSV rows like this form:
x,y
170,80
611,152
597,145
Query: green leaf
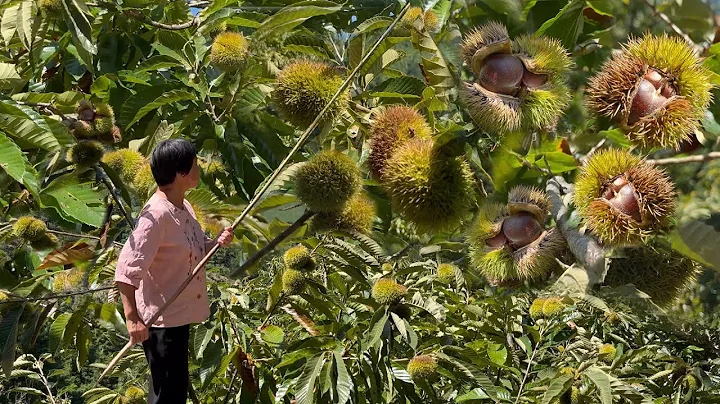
x,y
557,387
273,335
165,99
14,162
373,24
26,20
344,383
401,87
291,16
305,387
435,68
9,77
79,26
8,335
57,331
602,382
83,345
567,25
557,162
25,124
702,237
616,136
377,325
74,201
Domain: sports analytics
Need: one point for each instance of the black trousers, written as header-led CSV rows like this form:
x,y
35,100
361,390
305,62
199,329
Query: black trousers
x,y
166,351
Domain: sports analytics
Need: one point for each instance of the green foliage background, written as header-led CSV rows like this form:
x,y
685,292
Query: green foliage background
x,y
332,343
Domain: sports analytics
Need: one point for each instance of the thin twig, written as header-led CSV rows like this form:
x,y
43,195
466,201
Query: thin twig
x,y
58,296
272,244
699,158
672,26
361,108
66,234
232,383
172,27
113,192
593,150
529,366
272,310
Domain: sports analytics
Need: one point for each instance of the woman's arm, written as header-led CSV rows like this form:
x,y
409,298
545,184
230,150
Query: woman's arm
x,y
133,263
136,327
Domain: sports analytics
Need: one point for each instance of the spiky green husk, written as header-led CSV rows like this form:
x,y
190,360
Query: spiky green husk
x,y
228,50
65,281
654,269
104,110
327,181
522,198
433,191
655,190
104,126
124,162
446,273
406,24
536,308
691,382
133,395
402,310
298,258
144,182
493,113
422,367
496,265
51,8
483,41
387,267
46,242
392,127
86,153
431,21
542,107
387,291
610,92
304,88
553,306
293,281
82,129
575,397
358,215
538,258
543,55
29,228
606,352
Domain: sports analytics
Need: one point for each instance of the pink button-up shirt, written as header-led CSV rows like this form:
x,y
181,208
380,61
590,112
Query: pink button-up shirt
x,y
163,249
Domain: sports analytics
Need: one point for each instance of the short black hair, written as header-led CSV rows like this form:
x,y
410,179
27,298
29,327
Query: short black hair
x,y
171,157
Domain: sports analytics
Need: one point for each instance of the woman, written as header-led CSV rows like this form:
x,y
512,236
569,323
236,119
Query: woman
x,y
163,249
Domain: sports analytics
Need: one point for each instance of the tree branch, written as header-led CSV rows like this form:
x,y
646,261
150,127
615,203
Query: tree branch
x,y
698,158
58,296
113,192
272,244
172,27
672,26
66,234
586,249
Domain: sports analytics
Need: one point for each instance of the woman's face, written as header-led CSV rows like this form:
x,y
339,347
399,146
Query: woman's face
x,y
192,179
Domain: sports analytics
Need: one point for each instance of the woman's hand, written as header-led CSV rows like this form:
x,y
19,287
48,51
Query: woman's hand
x,y
226,237
137,330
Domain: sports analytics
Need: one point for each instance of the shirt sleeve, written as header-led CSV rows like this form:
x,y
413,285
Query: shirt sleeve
x,y
141,247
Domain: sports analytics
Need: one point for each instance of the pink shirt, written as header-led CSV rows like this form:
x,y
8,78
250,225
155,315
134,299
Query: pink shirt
x,y
163,249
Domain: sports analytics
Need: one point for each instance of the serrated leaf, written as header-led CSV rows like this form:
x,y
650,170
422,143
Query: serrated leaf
x,y
9,77
557,387
344,383
70,253
83,345
377,325
567,25
57,331
8,24
305,387
291,16
79,26
165,99
74,201
8,336
303,320
602,382
14,162
272,335
27,125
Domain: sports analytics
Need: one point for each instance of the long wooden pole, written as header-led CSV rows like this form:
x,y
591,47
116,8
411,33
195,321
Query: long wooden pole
x,y
264,188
